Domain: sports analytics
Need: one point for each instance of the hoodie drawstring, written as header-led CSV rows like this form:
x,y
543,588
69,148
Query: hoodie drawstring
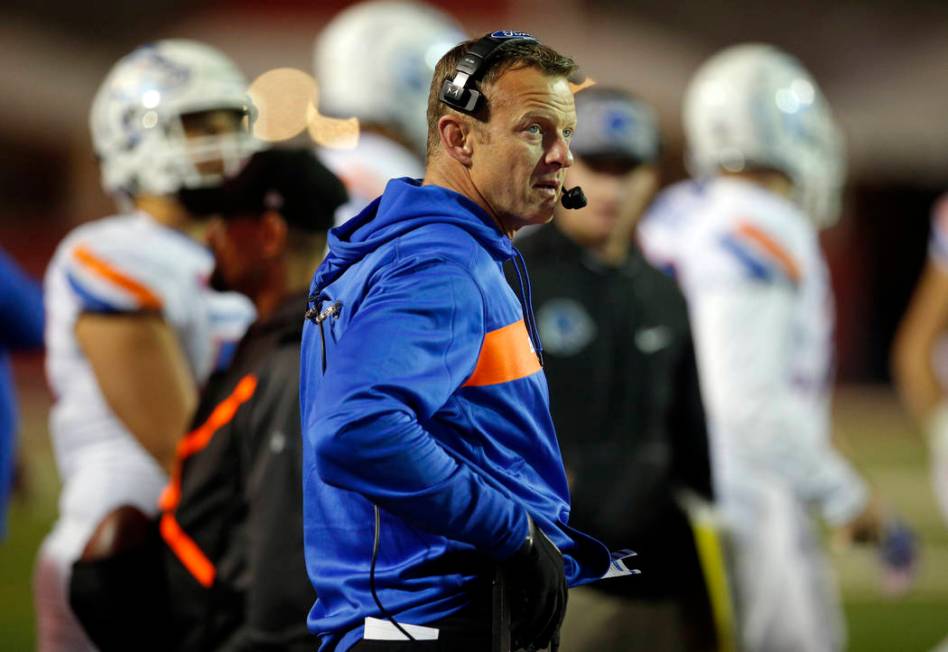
x,y
526,302
318,315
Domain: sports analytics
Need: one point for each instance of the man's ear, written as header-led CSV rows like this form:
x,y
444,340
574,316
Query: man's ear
x,y
457,138
273,234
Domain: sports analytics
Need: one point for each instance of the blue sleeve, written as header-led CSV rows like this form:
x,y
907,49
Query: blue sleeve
x,y
409,347
21,308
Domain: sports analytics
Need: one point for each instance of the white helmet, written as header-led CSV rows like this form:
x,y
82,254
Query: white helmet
x,y
753,106
137,131
375,61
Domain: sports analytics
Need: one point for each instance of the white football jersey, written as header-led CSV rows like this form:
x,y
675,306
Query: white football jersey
x,y
126,263
750,265
366,169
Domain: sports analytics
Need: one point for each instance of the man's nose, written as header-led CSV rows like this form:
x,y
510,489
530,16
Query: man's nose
x,y
559,153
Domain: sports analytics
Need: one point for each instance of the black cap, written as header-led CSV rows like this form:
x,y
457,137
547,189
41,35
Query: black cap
x,y
290,181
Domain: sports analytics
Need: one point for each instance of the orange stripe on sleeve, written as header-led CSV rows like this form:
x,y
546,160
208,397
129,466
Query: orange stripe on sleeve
x,y
146,298
187,551
506,355
769,245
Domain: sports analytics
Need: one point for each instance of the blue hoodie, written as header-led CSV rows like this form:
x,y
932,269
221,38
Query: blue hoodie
x,y
434,407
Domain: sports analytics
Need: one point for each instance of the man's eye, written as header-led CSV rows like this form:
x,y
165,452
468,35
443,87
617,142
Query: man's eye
x,y
535,129
567,133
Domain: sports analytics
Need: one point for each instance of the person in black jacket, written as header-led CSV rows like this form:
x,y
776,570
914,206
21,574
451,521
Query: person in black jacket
x,y
228,544
624,391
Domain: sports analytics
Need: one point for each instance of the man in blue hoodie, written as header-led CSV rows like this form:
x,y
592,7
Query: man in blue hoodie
x,y
429,456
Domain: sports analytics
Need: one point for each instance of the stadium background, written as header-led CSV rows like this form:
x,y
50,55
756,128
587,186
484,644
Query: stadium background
x,y
881,63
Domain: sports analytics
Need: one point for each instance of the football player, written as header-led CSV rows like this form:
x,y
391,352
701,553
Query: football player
x,y
374,61
914,355
133,328
742,239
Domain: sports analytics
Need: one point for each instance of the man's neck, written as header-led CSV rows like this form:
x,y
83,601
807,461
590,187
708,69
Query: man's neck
x,y
456,178
611,252
290,275
170,213
770,180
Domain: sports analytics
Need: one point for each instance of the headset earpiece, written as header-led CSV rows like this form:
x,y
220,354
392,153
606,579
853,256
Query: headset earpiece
x,y
459,92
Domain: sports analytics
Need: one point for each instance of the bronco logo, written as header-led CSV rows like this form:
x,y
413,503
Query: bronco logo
x,y
505,34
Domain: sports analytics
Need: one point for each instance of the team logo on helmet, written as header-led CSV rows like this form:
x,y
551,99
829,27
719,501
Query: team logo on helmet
x,y
153,69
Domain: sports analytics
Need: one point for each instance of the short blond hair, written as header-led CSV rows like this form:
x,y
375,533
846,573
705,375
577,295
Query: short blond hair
x,y
524,53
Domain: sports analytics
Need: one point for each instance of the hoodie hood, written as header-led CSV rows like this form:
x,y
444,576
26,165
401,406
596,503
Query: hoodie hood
x,y
407,205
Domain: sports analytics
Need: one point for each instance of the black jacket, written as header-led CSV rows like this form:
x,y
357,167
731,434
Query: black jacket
x,y
624,395
239,502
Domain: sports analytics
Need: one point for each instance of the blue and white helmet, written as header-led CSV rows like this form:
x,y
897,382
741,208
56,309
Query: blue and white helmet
x,y
753,106
137,131
375,61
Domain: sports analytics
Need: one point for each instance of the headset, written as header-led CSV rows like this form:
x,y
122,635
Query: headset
x,y
573,198
461,93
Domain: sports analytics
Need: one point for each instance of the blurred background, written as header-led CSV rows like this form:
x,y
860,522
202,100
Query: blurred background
x,y
881,64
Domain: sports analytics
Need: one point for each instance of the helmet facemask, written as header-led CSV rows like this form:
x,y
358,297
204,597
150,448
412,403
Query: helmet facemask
x,y
141,113
201,160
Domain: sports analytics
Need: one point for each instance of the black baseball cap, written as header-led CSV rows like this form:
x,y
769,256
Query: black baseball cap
x,y
292,182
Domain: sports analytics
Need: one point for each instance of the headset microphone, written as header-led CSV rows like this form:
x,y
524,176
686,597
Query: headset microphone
x,y
573,198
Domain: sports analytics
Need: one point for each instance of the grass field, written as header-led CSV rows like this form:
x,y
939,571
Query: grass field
x,y
869,424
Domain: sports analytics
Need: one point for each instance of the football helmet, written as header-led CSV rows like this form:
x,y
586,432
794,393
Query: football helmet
x,y
136,119
754,106
375,60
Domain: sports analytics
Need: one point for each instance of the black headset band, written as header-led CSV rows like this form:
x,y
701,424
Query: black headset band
x,y
458,91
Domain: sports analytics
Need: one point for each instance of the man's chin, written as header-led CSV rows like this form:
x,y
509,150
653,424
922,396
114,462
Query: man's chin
x,y
541,215
534,215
